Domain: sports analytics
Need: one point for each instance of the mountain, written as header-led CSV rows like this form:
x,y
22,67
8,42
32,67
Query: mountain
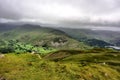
x,y
41,53
117,41
88,35
6,26
40,36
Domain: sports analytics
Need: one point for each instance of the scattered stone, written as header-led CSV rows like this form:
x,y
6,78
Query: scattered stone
x,y
33,52
104,63
106,74
2,55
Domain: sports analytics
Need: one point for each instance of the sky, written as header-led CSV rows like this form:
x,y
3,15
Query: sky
x,y
60,11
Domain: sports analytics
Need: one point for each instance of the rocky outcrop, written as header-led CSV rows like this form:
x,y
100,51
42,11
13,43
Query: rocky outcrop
x,y
59,41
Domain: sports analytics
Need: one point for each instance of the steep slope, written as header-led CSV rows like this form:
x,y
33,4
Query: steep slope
x,y
88,34
41,36
105,35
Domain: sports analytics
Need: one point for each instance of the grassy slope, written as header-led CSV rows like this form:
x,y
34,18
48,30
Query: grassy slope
x,y
37,35
77,65
108,36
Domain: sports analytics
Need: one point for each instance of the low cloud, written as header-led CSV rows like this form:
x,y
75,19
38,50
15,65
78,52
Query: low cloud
x,y
60,11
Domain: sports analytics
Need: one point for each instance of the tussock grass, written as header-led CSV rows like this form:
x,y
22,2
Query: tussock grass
x,y
77,66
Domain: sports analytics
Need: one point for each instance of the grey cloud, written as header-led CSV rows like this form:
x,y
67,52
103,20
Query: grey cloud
x,y
55,11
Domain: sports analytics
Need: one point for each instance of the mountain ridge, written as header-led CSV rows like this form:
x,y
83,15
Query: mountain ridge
x,y
38,35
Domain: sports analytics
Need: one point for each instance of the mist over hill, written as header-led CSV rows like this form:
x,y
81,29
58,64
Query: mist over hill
x,y
101,38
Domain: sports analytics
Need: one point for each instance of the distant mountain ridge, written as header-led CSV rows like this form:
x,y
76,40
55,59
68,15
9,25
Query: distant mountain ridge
x,y
36,34
106,37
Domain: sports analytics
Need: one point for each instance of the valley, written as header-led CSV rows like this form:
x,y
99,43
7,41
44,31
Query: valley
x,y
42,53
59,39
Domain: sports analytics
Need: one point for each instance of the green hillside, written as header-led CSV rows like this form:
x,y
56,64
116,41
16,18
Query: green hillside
x,y
71,65
103,36
32,52
29,36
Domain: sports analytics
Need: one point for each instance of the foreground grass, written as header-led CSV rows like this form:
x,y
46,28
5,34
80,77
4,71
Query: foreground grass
x,y
88,66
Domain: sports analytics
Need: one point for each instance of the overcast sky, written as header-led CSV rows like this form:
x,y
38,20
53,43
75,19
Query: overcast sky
x,y
58,11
